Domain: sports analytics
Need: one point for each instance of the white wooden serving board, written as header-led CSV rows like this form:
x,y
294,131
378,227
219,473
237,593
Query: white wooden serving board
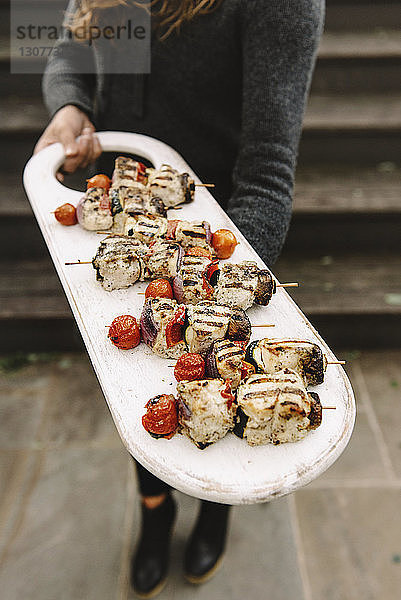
x,y
229,471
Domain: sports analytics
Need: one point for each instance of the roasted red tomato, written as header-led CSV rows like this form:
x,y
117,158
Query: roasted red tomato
x,y
124,332
171,227
161,418
101,181
211,270
197,251
246,369
174,333
227,394
66,214
159,288
224,242
142,177
189,367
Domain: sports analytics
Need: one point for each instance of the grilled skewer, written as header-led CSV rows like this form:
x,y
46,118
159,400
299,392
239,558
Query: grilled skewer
x,y
120,262
206,410
305,358
275,408
93,210
171,186
244,284
225,360
192,329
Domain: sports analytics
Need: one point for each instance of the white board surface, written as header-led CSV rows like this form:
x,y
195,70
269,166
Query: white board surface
x,y
229,471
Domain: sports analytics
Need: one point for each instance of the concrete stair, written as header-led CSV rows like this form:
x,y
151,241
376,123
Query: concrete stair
x,y
344,242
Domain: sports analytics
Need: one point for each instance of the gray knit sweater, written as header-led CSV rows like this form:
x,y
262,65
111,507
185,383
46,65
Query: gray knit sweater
x,y
228,93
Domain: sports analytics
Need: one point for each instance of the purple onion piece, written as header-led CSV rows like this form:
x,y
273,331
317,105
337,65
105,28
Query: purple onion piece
x,y
178,288
147,324
211,369
208,231
80,210
184,413
180,257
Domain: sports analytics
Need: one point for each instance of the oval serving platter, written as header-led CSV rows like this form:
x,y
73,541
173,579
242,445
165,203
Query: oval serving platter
x,y
229,471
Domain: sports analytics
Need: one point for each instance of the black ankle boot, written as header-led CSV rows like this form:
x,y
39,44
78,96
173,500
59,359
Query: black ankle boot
x,y
206,545
150,563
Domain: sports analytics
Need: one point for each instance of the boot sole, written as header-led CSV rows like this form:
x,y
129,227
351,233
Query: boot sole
x,y
198,580
157,590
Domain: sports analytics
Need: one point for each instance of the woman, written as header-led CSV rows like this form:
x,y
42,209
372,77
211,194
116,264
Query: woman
x,y
227,89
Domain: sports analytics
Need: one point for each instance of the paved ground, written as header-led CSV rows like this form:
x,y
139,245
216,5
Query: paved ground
x,y
68,505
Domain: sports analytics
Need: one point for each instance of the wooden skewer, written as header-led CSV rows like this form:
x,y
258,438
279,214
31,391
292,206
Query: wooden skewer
x,y
336,362
329,407
265,325
79,262
206,185
286,285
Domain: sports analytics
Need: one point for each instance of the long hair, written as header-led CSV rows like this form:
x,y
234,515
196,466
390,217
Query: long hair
x,y
169,14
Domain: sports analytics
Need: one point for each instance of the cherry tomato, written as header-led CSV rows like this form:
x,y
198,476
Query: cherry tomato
x,y
189,367
101,181
224,242
66,214
159,288
124,332
196,251
161,418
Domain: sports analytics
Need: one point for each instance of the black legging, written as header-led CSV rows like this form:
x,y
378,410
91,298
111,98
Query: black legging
x,y
150,485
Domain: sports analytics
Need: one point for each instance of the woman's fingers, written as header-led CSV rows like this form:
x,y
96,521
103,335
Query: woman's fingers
x,y
80,156
86,148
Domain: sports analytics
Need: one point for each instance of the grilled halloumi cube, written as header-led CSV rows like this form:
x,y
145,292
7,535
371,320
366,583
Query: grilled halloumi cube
x,y
190,234
170,186
205,410
93,210
237,283
207,322
156,318
191,285
127,171
305,358
224,360
164,259
145,228
120,262
273,408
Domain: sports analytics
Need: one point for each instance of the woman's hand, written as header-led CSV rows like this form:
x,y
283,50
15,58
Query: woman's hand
x,y
67,124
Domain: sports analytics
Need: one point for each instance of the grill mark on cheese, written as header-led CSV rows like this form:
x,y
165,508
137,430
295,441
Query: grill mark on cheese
x,y
194,234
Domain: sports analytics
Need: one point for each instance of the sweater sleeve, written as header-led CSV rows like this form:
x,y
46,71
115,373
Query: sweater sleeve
x,y
279,45
69,75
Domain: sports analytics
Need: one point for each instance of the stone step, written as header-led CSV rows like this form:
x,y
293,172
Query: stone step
x,y
318,191
325,112
358,208
340,14
337,128
354,300
362,15
358,61
348,60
